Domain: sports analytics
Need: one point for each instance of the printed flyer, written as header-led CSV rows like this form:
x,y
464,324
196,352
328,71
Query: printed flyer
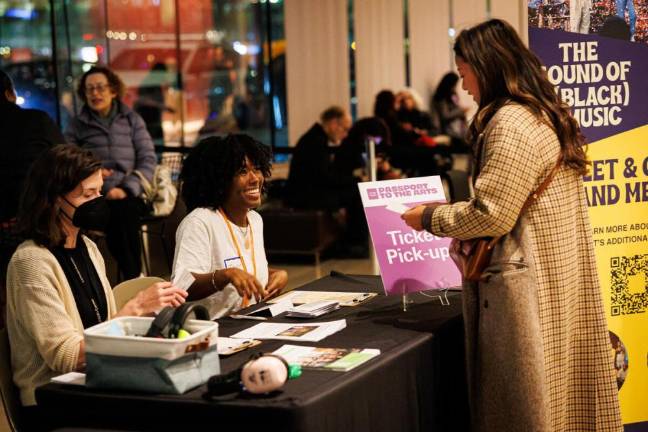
x,y
409,260
596,55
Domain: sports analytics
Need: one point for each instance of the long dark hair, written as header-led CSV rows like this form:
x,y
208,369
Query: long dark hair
x,y
55,173
209,169
507,71
384,105
446,87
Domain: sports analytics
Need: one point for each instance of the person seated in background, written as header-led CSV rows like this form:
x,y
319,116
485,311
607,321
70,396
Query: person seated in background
x,y
221,240
56,280
445,106
412,151
449,116
350,158
118,137
386,108
411,115
313,182
311,178
26,133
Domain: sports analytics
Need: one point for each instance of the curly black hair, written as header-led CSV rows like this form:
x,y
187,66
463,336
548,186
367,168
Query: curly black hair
x,y
209,169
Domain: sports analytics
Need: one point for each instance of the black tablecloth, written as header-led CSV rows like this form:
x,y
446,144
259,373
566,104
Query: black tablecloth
x,y
416,383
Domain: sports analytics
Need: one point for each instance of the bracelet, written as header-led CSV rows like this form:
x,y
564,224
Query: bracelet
x,y
426,218
213,282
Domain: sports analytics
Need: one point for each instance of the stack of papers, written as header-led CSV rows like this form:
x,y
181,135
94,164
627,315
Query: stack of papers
x,y
311,332
336,359
344,298
312,310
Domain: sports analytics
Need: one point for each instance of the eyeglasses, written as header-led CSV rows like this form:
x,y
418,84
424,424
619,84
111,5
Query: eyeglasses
x,y
100,88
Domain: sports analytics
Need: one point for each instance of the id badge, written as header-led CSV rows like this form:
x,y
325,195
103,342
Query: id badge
x,y
234,262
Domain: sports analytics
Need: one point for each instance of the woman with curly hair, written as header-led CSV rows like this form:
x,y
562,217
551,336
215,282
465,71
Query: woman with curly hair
x,y
117,136
221,240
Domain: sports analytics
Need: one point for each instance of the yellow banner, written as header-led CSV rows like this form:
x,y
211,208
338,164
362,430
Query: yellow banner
x,y
617,192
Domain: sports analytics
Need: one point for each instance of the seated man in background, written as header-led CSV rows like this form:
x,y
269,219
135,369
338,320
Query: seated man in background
x,y
26,133
314,183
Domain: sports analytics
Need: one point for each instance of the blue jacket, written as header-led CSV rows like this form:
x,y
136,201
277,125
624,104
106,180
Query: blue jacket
x,y
123,147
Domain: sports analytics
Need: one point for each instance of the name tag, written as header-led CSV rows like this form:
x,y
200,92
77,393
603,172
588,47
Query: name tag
x,y
234,262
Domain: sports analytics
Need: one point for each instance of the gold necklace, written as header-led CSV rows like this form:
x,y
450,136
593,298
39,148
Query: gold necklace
x,y
94,303
244,233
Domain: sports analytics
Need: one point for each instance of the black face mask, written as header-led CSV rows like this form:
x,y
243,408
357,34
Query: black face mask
x,y
92,215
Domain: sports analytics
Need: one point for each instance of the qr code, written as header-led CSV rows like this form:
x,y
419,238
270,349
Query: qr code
x,y
629,284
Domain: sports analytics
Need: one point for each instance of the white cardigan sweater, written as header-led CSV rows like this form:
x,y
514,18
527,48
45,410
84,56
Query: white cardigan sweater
x,y
43,322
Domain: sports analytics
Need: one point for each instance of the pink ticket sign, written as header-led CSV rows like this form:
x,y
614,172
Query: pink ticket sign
x,y
409,260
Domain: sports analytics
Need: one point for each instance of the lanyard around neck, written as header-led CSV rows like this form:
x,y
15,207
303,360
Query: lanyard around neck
x,y
236,245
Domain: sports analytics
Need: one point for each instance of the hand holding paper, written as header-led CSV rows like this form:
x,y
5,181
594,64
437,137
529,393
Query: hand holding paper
x,y
397,207
413,217
410,259
184,280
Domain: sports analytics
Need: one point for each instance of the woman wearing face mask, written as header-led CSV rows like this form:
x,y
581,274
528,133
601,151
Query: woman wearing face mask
x,y
56,280
221,240
118,137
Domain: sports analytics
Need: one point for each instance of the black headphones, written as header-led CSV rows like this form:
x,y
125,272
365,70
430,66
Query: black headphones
x,y
218,385
169,320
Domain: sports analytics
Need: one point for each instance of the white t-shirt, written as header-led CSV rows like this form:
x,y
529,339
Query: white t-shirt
x,y
204,244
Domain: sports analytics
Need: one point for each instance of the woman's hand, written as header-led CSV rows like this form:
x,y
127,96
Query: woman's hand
x,y
154,298
277,281
455,253
412,217
116,193
245,283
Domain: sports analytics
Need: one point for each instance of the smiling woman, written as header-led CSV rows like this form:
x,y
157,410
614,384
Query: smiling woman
x,y
221,241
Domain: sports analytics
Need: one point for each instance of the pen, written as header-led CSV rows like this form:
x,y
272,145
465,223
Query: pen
x,y
363,297
258,318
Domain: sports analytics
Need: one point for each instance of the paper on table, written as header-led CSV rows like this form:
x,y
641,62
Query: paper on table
x,y
344,298
337,359
397,207
76,378
184,280
227,346
311,332
312,310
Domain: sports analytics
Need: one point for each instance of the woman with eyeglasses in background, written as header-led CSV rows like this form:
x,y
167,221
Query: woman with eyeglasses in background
x,y
118,137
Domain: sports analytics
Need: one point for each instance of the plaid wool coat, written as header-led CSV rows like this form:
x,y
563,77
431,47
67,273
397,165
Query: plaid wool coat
x,y
536,334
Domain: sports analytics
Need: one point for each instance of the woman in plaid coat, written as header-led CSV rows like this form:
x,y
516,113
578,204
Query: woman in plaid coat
x,y
536,335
